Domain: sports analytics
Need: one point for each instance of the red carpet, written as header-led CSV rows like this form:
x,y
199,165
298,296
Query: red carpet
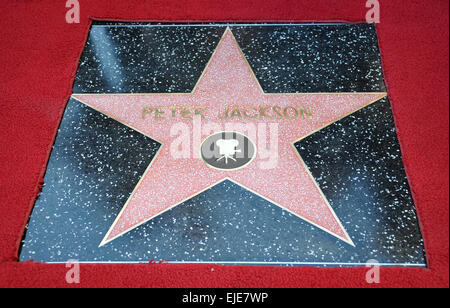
x,y
39,56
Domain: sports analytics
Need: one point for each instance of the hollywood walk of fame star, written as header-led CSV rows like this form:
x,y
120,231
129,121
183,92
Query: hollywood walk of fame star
x,y
228,80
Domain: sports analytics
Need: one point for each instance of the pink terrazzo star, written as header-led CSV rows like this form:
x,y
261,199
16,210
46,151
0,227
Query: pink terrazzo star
x,y
227,81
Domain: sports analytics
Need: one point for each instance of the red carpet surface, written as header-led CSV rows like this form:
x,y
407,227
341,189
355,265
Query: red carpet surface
x,y
39,56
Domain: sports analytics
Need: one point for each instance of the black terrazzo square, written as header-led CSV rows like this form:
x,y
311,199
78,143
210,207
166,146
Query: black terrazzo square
x,y
96,161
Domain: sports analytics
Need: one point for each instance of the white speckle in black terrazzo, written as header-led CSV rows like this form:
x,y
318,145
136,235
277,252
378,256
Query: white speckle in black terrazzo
x,y
144,60
297,58
315,58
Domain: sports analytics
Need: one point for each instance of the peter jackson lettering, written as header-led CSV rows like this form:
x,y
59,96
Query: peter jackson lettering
x,y
230,112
